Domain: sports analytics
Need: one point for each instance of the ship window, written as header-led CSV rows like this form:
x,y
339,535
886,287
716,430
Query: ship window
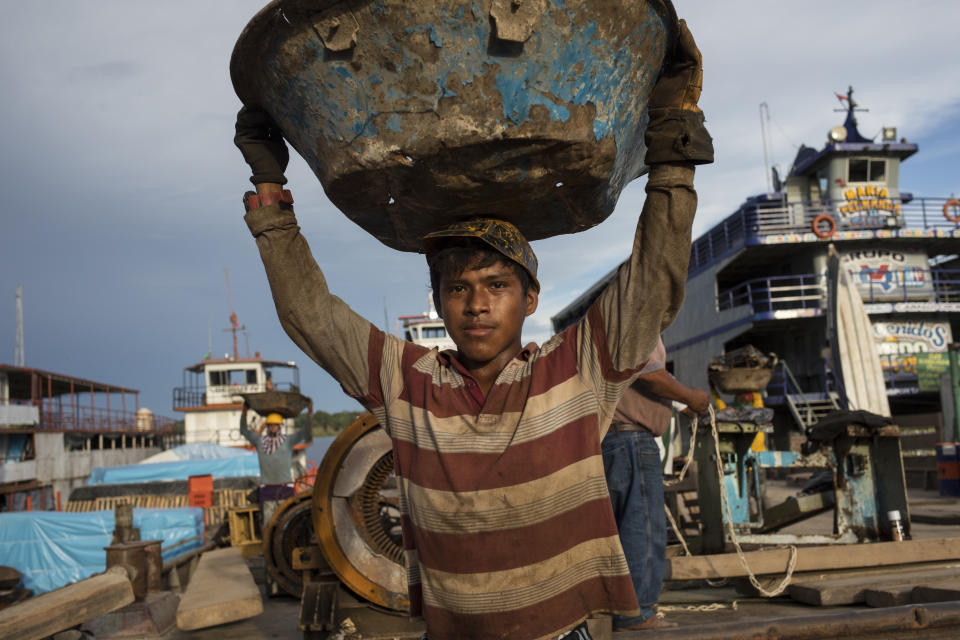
x,y
866,170
434,332
407,336
232,376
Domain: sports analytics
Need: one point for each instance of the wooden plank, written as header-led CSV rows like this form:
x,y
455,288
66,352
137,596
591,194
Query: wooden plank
x,y
888,596
944,591
69,606
221,590
827,592
821,558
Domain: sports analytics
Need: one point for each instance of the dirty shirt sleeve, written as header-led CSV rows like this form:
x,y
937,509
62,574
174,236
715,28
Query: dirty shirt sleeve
x,y
346,345
252,438
300,435
622,328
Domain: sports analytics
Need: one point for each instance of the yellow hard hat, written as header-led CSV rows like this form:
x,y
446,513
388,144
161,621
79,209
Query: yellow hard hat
x,y
274,418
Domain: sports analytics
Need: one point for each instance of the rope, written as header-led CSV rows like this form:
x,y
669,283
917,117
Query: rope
x,y
701,608
686,464
676,530
725,501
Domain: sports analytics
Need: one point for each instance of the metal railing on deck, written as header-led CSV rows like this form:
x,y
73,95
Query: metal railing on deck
x,y
771,217
808,290
184,397
775,293
95,419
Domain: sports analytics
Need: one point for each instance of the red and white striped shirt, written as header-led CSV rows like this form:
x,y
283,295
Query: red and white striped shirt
x,y
508,530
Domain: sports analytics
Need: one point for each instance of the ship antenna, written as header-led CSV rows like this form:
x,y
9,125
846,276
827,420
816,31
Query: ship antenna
x,y
234,323
850,106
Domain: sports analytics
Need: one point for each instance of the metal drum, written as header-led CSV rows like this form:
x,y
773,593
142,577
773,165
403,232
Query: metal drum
x,y
417,114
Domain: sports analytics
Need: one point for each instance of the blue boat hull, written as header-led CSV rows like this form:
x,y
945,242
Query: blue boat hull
x,y
416,114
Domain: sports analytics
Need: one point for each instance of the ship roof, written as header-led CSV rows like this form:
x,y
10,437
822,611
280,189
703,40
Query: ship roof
x,y
200,366
850,142
806,162
54,384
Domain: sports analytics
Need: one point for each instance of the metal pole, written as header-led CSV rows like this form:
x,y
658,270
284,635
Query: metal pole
x,y
763,135
955,389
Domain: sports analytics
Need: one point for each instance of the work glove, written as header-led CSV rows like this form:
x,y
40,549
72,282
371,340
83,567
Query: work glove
x,y
261,143
676,132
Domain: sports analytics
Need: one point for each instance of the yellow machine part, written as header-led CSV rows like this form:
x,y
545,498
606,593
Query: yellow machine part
x,y
356,515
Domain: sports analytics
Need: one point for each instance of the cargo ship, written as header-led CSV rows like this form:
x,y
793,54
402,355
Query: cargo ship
x,y
758,277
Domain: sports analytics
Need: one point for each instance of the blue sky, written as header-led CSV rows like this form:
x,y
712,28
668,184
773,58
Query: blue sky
x,y
121,186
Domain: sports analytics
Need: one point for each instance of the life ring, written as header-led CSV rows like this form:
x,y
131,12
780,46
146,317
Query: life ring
x,y
824,217
946,210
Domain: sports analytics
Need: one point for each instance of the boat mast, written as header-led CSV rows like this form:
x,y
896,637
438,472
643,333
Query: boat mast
x,y
18,357
234,323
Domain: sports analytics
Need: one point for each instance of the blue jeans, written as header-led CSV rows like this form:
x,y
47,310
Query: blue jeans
x,y
631,461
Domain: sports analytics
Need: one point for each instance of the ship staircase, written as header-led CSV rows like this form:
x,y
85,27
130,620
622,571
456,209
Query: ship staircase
x,y
807,408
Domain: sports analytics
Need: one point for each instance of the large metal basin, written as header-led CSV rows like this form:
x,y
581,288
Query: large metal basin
x,y
414,114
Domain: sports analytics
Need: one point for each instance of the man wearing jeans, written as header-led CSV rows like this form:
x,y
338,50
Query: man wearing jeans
x,y
631,460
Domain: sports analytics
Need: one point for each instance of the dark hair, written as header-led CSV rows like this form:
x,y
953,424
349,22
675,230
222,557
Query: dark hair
x,y
462,254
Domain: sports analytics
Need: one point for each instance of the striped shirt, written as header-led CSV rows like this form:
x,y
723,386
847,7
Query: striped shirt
x,y
507,526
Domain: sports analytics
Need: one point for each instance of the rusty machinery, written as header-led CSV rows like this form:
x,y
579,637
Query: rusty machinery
x,y
339,547
290,527
857,455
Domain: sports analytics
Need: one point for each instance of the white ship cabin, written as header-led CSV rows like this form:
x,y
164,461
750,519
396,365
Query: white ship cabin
x,y
210,395
427,329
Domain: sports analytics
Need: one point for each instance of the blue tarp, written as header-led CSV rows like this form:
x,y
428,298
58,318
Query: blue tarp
x,y
245,465
196,451
53,548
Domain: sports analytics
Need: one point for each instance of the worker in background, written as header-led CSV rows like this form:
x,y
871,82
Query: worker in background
x,y
631,460
275,454
508,531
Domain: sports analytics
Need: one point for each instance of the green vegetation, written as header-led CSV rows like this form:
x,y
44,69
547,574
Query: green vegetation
x,y
327,424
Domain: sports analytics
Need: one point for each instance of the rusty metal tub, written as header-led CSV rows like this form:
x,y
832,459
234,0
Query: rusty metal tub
x,y
416,114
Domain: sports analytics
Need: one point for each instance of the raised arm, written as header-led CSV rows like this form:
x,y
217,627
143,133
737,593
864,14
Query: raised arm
x,y
625,322
303,435
245,431
321,324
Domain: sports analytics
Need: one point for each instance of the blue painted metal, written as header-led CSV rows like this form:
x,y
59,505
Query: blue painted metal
x,y
776,458
427,116
806,291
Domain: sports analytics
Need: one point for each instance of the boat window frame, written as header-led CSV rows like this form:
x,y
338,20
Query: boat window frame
x,y
871,162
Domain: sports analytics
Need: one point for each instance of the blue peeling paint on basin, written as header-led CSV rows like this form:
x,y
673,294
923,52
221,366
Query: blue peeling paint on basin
x,y
416,114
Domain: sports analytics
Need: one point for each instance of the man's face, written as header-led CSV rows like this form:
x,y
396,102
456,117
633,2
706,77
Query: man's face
x,y
483,310
273,429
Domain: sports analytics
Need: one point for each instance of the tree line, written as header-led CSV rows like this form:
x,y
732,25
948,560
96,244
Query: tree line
x,y
326,424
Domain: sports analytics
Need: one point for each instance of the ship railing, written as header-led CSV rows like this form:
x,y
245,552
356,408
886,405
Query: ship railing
x,y
99,419
759,218
188,397
808,291
775,293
